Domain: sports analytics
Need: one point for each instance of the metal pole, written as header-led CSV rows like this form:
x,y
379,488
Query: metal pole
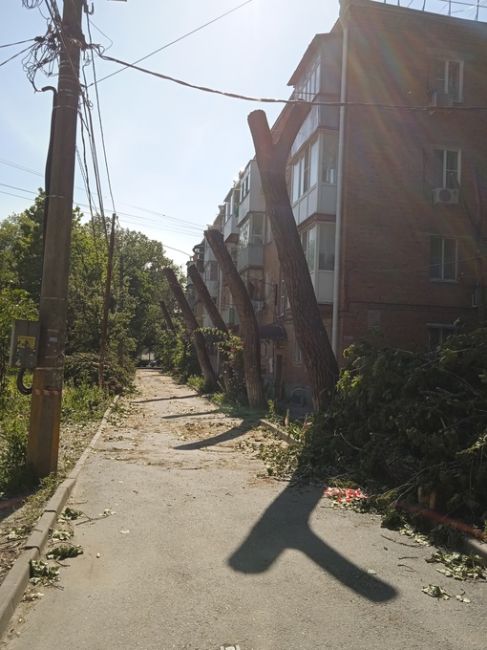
x,y
43,443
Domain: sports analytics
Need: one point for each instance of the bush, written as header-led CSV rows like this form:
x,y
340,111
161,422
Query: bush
x,y
407,422
197,383
14,423
81,369
83,403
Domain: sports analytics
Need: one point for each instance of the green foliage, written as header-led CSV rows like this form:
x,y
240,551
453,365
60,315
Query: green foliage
x,y
14,422
177,355
81,370
197,382
83,403
402,421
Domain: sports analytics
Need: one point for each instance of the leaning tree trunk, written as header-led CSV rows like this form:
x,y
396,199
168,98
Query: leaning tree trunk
x,y
310,331
229,372
167,316
248,322
211,380
206,299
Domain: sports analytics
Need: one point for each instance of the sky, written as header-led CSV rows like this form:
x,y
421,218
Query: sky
x,y
173,152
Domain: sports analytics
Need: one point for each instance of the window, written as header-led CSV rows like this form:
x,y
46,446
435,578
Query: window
x,y
448,168
244,186
326,250
252,231
329,156
448,78
212,271
298,355
443,259
438,333
305,171
308,241
309,86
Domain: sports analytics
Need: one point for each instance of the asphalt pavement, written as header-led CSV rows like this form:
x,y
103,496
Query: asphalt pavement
x,y
201,551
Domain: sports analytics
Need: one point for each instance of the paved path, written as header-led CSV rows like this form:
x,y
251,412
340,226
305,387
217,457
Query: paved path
x,y
202,553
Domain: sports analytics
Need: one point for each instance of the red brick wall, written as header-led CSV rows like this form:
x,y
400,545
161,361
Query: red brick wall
x,y
388,215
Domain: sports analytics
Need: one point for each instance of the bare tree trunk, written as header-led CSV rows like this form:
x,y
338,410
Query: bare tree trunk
x,y
211,380
248,322
206,299
310,331
230,373
167,316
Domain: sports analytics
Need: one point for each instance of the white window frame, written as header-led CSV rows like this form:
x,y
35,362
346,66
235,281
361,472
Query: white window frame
x,y
303,173
445,151
446,83
445,329
442,263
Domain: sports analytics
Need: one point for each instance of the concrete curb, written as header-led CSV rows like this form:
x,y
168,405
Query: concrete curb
x,y
13,587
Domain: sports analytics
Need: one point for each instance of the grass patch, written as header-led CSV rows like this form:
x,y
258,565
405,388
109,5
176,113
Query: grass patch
x,y
81,405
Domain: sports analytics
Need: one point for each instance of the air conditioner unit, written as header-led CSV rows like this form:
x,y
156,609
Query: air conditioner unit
x,y
440,98
445,195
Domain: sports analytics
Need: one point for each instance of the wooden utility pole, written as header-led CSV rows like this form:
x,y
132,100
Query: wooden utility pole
x,y
43,443
310,331
167,316
249,329
106,306
211,380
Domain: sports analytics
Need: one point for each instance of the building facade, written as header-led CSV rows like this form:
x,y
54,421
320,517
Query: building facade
x,y
388,181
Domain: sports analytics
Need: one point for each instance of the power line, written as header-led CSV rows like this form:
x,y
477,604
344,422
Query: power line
x,y
102,134
176,40
14,56
27,40
292,99
156,213
147,221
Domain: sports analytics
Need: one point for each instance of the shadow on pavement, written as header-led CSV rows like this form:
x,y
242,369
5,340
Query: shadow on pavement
x,y
231,434
161,399
285,525
188,414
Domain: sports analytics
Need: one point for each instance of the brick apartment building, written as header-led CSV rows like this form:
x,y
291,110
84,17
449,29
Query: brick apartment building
x,y
388,189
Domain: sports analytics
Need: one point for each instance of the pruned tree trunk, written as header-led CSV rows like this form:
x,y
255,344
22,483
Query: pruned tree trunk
x,y
206,299
167,316
211,380
310,331
229,372
248,322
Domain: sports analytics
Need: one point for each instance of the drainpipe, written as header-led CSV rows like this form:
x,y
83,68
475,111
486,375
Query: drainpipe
x,y
339,208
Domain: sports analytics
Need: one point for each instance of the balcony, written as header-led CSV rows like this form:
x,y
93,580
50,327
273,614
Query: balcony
x,y
250,256
212,286
253,200
230,230
321,199
323,286
230,316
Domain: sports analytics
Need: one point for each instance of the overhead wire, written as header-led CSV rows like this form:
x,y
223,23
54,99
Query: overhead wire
x,y
156,213
291,100
176,40
100,122
14,56
27,40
